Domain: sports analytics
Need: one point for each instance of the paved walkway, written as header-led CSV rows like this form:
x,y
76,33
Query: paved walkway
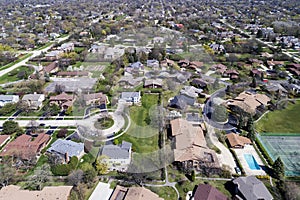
x,y
225,158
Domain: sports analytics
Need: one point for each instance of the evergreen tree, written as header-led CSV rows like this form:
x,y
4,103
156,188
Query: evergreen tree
x,y
278,169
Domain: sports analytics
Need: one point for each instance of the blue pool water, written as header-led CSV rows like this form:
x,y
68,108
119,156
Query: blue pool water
x,y
251,162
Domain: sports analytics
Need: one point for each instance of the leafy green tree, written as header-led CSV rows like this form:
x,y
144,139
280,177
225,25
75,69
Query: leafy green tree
x,y
10,127
278,169
220,113
100,166
8,108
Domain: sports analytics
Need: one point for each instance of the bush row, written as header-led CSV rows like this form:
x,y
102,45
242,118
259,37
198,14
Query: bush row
x,y
238,162
264,152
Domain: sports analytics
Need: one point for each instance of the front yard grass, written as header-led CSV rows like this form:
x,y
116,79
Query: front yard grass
x,y
14,74
281,121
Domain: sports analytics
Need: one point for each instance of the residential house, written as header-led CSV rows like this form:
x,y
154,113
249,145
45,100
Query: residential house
x,y
136,68
292,88
251,188
72,73
153,64
182,101
208,192
129,81
273,63
102,191
5,99
276,89
237,141
4,139
258,74
112,53
190,148
13,192
199,83
34,101
153,83
66,149
219,68
195,65
191,91
131,97
232,74
249,102
294,69
75,84
133,193
67,47
63,100
218,48
96,99
53,55
52,68
117,157
167,63
25,147
183,63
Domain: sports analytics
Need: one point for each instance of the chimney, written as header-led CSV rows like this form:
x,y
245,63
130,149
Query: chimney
x,y
67,157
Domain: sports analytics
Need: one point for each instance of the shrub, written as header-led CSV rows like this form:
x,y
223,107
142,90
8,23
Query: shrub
x,y
264,152
65,169
238,161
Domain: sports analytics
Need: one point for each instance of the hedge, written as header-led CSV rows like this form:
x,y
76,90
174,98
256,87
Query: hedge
x,y
264,152
238,162
65,169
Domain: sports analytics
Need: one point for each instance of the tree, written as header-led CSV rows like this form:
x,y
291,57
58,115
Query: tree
x,y
7,172
220,113
253,84
100,166
259,33
193,175
278,169
75,177
216,83
62,133
10,127
41,176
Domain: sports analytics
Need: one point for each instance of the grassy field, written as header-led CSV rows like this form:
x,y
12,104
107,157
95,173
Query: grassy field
x,y
144,138
13,75
281,121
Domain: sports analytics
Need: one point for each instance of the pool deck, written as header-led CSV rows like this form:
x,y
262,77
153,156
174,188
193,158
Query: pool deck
x,y
249,149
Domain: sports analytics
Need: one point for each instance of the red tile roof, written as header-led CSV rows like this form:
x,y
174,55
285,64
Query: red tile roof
x,y
25,146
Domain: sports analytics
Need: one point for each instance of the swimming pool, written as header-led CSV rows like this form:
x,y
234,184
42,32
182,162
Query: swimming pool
x,y
251,162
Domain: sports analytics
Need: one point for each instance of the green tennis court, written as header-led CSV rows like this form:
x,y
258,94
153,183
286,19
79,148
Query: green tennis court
x,y
287,147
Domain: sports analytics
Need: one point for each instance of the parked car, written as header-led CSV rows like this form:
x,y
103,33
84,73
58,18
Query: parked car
x,y
237,170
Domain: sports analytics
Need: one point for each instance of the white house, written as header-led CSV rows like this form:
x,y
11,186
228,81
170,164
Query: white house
x,y
34,101
117,157
131,97
5,99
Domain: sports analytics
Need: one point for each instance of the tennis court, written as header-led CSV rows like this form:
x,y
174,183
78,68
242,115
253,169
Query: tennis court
x,y
287,147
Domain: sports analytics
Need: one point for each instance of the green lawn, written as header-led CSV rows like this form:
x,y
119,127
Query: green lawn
x,y
144,137
281,121
16,61
15,76
167,193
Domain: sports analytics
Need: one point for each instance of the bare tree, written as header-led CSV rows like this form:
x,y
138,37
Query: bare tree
x,y
75,177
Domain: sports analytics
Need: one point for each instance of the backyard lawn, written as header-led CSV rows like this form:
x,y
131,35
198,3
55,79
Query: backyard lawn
x,y
144,137
17,74
167,193
281,121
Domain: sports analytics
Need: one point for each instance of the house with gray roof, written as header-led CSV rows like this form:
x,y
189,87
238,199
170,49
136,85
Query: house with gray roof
x,y
5,99
250,188
34,101
117,157
131,97
67,149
